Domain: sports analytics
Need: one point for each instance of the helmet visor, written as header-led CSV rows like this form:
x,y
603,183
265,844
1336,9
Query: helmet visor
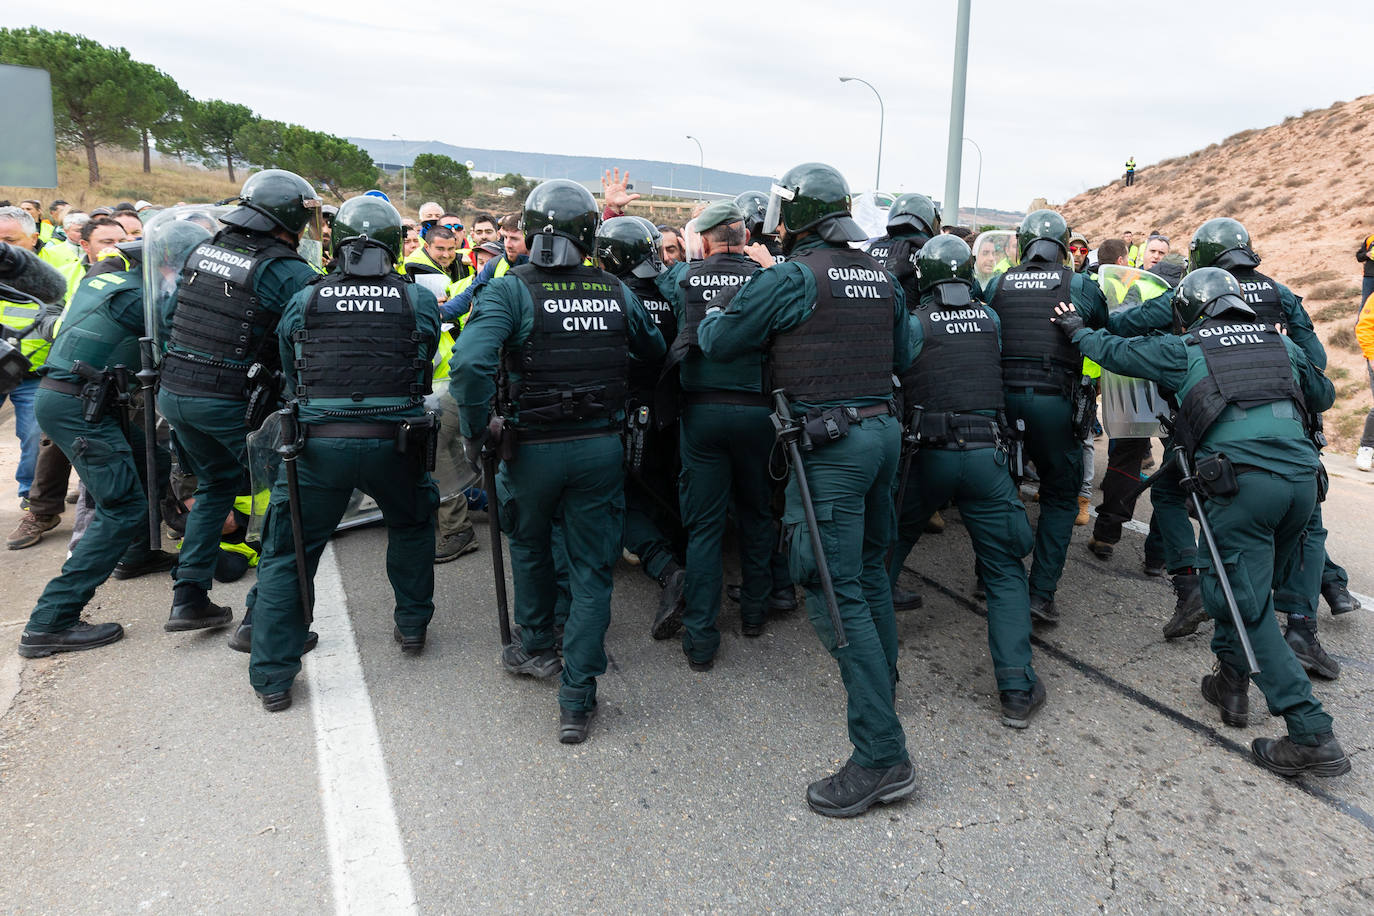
x,y
773,215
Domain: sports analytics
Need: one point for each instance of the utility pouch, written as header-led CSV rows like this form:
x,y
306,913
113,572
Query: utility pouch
x,y
503,439
1216,475
1323,483
827,426
934,429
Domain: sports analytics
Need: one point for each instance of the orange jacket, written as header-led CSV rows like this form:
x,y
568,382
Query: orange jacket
x,y
1364,328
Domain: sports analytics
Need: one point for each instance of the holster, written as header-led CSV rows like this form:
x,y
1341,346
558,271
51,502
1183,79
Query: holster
x,y
503,439
637,432
1083,404
418,437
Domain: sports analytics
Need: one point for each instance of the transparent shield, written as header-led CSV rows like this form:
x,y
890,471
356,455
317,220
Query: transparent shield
x,y
264,463
994,253
168,239
1130,406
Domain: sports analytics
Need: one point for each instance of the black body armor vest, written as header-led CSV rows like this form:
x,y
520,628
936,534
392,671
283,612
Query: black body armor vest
x,y
1247,365
1261,294
359,342
575,364
1035,354
960,365
709,283
843,351
219,328
644,373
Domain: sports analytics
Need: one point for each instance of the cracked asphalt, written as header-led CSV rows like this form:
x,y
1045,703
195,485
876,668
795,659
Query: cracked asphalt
x,y
145,776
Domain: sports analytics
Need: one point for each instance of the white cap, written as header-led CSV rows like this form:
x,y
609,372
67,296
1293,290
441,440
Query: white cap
x,y
142,205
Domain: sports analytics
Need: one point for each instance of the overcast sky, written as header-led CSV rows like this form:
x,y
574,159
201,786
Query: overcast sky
x,y
1059,94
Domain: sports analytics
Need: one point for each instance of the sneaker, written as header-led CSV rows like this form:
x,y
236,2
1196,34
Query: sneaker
x,y
452,546
1286,757
543,663
1020,706
1301,637
1229,691
1084,513
1188,610
855,789
31,529
1364,458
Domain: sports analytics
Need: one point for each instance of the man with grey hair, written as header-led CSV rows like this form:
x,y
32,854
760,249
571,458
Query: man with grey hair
x,y
430,211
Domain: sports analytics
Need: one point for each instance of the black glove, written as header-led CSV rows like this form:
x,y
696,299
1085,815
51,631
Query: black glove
x,y
1067,319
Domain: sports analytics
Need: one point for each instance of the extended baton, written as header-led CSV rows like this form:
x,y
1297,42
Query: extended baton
x,y
498,559
288,450
788,431
147,380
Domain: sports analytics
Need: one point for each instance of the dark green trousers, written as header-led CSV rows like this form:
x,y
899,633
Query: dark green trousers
x,y
1258,532
725,451
1297,595
329,471
978,483
582,484
652,525
110,465
212,434
1058,458
851,485
1169,508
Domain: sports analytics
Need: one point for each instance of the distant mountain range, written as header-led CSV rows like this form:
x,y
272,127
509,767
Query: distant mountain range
x,y
537,166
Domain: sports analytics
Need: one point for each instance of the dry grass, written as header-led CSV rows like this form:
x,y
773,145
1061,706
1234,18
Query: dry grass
x,y
1316,276
1344,338
1345,309
1330,291
122,178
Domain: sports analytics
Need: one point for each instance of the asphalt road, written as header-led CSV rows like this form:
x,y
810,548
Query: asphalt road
x,y
145,777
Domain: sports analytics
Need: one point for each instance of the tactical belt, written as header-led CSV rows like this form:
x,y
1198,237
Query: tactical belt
x,y
527,435
196,376
875,410
959,431
718,396
350,430
52,384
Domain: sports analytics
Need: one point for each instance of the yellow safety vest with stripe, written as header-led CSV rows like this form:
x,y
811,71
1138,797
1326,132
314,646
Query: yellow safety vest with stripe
x,y
21,317
60,257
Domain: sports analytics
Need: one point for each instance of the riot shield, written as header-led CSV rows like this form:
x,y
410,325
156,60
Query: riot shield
x,y
994,253
311,244
264,463
1130,406
168,238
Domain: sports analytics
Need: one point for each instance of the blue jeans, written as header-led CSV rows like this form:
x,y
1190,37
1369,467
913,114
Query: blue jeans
x,y
26,428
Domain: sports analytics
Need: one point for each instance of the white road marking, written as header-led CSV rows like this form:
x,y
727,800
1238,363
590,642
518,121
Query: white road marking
x,y
366,857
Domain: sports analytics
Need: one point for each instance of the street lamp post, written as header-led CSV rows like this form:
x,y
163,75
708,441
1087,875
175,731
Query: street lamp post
x,y
882,116
978,188
701,168
403,173
954,157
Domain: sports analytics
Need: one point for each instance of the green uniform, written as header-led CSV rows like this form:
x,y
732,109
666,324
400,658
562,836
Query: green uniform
x,y
102,328
574,476
330,467
1052,444
725,437
212,431
851,483
974,476
1258,529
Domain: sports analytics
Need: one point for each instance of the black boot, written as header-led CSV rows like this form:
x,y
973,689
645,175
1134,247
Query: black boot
x,y
1286,757
410,645
1020,706
780,600
75,638
192,609
1188,609
276,702
1340,600
1228,690
671,603
1301,637
573,725
241,640
855,789
1043,609
151,561
903,600
543,663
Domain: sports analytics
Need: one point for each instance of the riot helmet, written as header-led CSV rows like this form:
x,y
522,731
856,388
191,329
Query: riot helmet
x,y
755,207
812,196
913,214
625,247
275,199
560,221
1043,236
944,267
367,237
1206,293
1222,242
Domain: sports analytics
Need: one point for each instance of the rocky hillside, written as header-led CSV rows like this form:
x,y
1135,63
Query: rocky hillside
x,y
1304,189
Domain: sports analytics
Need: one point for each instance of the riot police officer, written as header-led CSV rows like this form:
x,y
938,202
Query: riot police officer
x,y
956,409
838,326
84,405
726,437
628,247
755,207
1043,376
356,347
1225,243
223,322
1247,396
551,342
912,220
